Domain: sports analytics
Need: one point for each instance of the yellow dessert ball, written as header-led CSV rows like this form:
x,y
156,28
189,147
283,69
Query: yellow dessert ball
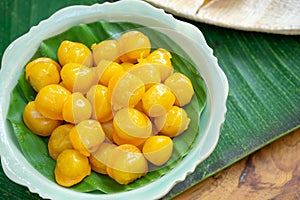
x,y
158,149
105,50
59,140
98,159
126,163
36,122
77,77
106,70
161,58
158,100
71,168
98,96
41,72
131,127
76,108
182,87
173,123
87,136
133,45
50,100
74,52
125,90
147,72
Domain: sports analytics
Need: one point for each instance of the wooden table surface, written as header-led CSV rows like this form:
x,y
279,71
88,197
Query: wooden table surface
x,y
272,172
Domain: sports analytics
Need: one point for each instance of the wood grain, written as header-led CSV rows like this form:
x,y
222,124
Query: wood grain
x,y
270,173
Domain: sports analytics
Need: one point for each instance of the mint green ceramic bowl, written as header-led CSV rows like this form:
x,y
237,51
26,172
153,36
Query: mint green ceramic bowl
x,y
19,170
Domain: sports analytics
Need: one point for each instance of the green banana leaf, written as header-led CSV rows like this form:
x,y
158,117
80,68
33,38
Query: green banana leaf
x,y
34,147
262,70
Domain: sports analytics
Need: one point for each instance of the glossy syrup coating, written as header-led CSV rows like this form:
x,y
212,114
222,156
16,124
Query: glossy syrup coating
x,y
182,87
119,101
59,140
108,128
158,100
106,50
98,159
133,45
161,58
36,122
50,100
158,149
125,90
127,65
41,72
77,77
101,106
71,168
74,52
87,136
107,69
131,127
147,72
173,123
76,108
126,163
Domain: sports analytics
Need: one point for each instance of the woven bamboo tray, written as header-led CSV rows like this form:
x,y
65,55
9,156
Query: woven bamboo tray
x,y
271,16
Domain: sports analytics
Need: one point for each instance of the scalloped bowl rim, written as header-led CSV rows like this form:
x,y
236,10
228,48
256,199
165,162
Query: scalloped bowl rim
x,y
17,168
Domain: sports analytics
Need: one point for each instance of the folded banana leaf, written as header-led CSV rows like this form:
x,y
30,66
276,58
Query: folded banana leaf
x,y
34,147
262,70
